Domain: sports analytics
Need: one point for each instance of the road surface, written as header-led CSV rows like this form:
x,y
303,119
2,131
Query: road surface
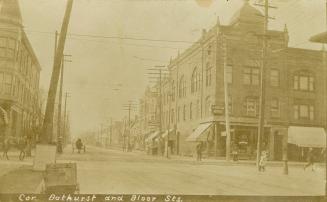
x,y
104,171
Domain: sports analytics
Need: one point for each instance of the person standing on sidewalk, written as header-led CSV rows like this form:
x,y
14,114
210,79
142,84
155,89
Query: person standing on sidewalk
x,y
199,151
22,143
310,159
263,161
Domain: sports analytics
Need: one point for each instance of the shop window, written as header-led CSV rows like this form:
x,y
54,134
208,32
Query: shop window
x,y
251,76
274,77
304,80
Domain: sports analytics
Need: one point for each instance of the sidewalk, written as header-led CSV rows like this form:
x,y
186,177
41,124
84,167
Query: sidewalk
x,y
21,180
207,161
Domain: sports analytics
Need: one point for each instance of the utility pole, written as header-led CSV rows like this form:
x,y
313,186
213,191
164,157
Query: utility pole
x,y
67,95
158,74
261,127
227,121
48,119
129,107
59,134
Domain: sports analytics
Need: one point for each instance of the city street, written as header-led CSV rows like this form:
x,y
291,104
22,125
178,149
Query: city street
x,y
109,171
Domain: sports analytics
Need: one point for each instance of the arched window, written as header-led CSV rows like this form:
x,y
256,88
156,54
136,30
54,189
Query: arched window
x,y
173,89
195,80
182,87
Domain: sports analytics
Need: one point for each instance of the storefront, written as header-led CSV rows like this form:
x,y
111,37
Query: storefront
x,y
172,142
244,141
152,143
300,139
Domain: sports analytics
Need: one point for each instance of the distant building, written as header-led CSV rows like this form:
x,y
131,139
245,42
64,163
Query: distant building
x,y
19,75
193,97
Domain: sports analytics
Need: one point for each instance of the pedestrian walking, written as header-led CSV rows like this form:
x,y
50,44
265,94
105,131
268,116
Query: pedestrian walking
x,y
199,151
22,143
263,161
310,159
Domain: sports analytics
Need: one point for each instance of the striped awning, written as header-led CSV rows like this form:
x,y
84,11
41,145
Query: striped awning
x,y
4,115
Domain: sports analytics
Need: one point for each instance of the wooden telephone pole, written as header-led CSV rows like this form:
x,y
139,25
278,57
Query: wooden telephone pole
x,y
46,134
261,128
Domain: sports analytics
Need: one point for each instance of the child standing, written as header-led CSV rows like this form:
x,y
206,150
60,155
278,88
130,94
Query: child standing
x,y
262,162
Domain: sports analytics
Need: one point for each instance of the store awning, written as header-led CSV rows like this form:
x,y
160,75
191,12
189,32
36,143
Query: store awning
x,y
152,136
199,134
307,136
166,133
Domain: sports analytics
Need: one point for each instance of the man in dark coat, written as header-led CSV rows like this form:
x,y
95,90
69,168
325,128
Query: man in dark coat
x,y
310,159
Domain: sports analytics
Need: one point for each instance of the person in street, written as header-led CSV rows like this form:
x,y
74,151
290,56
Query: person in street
x,y
199,151
59,146
310,159
79,145
6,147
263,161
22,143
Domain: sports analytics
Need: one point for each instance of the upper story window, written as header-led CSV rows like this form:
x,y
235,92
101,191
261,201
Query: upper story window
x,y
274,77
184,113
182,87
303,111
252,106
251,76
6,81
209,49
173,90
195,80
197,109
208,74
229,73
275,108
207,109
304,80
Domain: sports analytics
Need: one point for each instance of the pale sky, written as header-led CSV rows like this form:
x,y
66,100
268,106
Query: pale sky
x,y
101,64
